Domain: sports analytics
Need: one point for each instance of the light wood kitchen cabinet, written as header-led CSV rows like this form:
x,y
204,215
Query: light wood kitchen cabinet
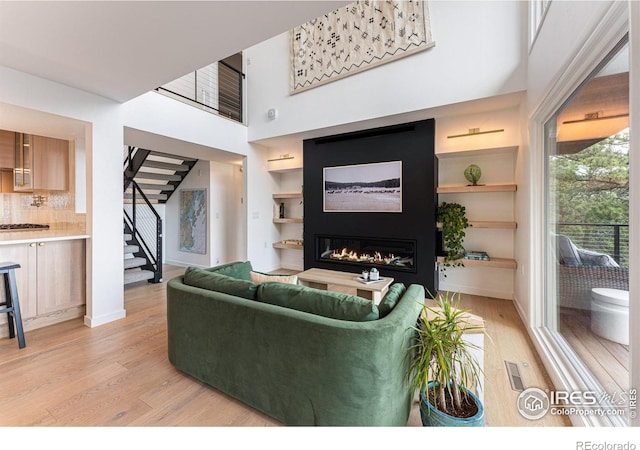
x,y
50,280
61,276
25,255
6,181
41,163
50,163
7,149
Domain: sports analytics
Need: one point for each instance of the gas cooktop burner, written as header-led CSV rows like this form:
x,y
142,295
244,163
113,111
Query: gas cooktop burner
x,y
23,226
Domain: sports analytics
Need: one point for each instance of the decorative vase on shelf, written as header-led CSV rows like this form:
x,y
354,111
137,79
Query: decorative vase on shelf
x,y
472,173
282,210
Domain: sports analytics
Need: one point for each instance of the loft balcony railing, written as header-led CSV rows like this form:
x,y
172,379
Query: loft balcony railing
x,y
216,88
612,239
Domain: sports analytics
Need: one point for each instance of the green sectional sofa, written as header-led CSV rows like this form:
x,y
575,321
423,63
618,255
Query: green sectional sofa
x,y
300,367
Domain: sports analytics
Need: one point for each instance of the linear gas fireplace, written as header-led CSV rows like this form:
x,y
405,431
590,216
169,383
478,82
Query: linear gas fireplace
x,y
393,254
400,244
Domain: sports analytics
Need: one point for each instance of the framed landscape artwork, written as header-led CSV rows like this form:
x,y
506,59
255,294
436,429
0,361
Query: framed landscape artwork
x,y
374,187
193,221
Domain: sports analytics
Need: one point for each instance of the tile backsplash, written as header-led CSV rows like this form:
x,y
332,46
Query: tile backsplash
x,y
58,210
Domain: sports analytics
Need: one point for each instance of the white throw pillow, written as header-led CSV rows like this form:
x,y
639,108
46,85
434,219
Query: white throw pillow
x,y
260,278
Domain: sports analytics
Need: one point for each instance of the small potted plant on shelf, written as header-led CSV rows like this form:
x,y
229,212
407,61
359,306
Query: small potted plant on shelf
x,y
442,367
454,221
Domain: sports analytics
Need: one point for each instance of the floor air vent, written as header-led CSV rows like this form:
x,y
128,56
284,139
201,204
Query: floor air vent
x,y
517,384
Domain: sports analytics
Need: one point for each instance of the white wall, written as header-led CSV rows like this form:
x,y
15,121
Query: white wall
x,y
480,52
225,234
237,219
198,178
201,134
261,232
80,175
522,208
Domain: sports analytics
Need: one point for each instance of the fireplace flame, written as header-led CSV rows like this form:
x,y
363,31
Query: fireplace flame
x,y
369,254
350,255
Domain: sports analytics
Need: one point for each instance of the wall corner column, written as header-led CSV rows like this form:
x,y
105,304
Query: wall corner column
x,y
105,260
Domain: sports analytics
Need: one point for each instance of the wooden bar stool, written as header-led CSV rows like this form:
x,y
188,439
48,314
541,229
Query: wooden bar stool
x,y
11,303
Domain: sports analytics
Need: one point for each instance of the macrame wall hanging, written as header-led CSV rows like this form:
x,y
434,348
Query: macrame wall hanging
x,y
357,37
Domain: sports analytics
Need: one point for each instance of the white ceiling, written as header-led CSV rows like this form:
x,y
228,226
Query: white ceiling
x,y
120,50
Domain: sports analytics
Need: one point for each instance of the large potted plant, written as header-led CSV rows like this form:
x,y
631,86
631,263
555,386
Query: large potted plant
x,y
453,220
442,367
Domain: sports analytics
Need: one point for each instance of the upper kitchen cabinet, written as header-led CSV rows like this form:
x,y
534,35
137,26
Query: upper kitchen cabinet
x,y
7,149
50,163
6,180
41,163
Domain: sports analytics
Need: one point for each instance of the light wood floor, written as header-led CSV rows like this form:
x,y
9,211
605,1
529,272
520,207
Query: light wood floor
x,y
118,374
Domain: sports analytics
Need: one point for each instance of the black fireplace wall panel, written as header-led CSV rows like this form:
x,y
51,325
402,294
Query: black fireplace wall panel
x,y
411,143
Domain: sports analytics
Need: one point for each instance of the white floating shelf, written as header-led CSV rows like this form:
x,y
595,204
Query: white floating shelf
x,y
478,152
288,220
498,263
287,246
479,188
288,195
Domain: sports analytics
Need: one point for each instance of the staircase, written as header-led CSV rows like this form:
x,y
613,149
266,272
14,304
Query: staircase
x,y
133,271
157,174
149,178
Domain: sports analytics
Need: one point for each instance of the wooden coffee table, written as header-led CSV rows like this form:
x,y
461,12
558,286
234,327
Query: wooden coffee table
x,y
345,282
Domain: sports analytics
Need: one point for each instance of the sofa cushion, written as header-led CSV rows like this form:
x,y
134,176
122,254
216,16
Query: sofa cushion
x,y
259,277
213,281
391,298
239,269
567,251
591,258
315,301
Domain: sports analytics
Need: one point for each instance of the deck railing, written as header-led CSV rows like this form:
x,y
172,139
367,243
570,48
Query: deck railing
x,y
612,239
